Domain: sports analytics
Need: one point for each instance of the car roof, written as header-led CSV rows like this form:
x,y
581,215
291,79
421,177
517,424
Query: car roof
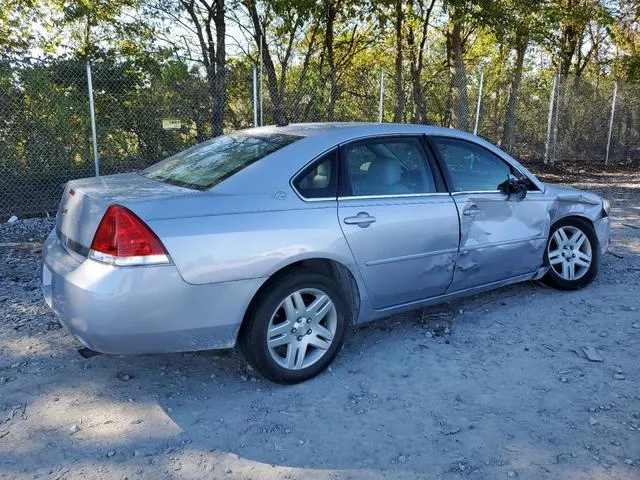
x,y
349,129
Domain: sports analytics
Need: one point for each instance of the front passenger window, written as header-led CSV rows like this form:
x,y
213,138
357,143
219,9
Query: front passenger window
x,y
472,168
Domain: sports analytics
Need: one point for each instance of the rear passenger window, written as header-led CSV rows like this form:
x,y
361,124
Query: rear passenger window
x,y
320,180
472,168
388,166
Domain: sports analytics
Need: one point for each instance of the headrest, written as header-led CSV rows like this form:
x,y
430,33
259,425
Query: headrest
x,y
384,171
324,169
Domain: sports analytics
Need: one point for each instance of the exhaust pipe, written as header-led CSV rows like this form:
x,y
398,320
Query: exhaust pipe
x,y
87,352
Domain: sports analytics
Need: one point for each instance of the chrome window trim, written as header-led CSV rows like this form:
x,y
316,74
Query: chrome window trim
x,y
470,192
405,195
400,196
319,199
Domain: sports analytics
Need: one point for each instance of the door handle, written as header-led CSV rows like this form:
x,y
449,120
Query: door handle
x,y
472,211
362,219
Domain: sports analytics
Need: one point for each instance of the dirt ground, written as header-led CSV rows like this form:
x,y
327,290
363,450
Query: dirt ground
x,y
485,388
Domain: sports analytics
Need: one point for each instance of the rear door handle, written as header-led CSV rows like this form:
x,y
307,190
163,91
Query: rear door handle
x,y
362,219
472,211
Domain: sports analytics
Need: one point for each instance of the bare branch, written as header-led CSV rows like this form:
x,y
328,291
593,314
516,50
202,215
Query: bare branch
x,y
169,14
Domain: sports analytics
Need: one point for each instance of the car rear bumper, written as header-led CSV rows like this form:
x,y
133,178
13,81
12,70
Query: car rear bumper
x,y
141,309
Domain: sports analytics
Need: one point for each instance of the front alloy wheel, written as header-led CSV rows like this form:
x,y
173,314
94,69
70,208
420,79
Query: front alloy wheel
x,y
294,330
570,253
573,254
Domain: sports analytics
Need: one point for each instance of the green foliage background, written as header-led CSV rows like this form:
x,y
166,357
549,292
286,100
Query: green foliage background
x,y
147,65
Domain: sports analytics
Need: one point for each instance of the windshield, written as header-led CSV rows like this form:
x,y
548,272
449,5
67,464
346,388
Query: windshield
x,y
209,163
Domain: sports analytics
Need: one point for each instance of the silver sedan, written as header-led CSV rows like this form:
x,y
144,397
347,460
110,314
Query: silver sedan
x,y
279,238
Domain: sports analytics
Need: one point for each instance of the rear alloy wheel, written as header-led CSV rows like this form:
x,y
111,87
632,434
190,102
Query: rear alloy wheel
x,y
572,255
302,328
296,328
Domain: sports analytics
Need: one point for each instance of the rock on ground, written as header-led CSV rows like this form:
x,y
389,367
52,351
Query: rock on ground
x,y
468,389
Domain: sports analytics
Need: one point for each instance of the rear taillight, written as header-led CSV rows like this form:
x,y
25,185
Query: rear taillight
x,y
125,240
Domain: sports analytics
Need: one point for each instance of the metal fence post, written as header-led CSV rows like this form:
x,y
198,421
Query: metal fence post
x,y
255,98
475,127
547,144
561,94
381,97
613,112
96,159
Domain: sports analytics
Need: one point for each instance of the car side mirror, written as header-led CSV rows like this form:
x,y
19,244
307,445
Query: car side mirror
x,y
514,187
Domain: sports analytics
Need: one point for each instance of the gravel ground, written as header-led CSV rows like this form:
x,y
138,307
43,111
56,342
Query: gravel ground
x,y
489,387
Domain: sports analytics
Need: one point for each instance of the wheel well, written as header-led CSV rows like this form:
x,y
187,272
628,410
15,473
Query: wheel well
x,y
332,269
575,217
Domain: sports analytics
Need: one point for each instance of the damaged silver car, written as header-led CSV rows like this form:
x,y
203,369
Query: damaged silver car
x,y
279,238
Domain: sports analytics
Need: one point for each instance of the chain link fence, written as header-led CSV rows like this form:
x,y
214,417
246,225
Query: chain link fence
x,y
144,113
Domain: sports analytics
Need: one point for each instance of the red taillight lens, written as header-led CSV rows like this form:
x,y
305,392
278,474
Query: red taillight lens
x,y
122,235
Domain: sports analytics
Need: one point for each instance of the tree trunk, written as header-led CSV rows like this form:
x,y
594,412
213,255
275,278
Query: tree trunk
x,y
214,95
333,74
418,113
398,113
299,107
214,56
416,54
457,68
572,28
279,117
510,113
219,98
571,32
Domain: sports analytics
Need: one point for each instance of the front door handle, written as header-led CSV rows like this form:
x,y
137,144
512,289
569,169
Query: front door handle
x,y
362,219
472,211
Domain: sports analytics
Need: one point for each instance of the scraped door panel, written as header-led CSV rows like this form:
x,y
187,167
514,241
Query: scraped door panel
x,y
405,248
499,238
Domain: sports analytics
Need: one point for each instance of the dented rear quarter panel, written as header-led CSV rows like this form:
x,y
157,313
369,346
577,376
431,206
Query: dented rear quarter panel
x,y
222,248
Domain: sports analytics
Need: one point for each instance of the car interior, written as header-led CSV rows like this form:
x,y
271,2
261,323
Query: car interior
x,y
388,168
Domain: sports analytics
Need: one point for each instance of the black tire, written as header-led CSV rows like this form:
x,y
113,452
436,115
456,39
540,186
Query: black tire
x,y
253,335
552,277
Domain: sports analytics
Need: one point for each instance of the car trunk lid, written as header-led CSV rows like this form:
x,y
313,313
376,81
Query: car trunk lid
x,y
85,201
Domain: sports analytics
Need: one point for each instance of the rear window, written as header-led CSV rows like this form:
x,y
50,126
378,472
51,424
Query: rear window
x,y
209,163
